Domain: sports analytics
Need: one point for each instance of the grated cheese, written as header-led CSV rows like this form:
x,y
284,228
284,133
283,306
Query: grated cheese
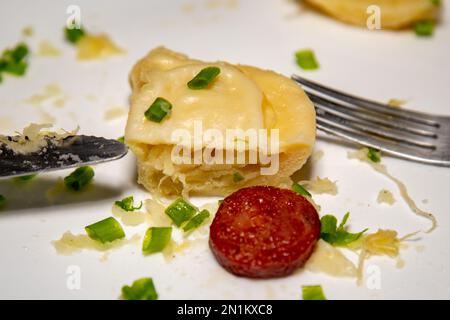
x,y
396,103
129,218
380,243
385,196
70,243
34,138
47,49
97,47
321,186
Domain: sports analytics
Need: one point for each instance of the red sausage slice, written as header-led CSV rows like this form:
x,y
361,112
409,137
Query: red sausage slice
x,y
264,232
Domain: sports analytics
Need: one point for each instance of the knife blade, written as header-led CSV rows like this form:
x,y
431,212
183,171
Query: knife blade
x,y
71,152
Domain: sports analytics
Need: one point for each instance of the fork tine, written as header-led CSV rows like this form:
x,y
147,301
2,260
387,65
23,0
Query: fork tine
x,y
354,114
412,116
398,136
392,148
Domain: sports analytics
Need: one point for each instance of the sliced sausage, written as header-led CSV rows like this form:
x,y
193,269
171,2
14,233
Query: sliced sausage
x,y
264,232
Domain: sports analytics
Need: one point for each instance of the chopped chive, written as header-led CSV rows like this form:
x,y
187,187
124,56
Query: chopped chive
x,y
197,220
300,190
16,68
2,201
306,59
141,289
374,155
127,204
313,293
436,2
204,78
25,178
424,28
220,202
121,139
156,239
106,230
73,35
337,235
158,110
19,52
180,211
237,177
78,179
13,61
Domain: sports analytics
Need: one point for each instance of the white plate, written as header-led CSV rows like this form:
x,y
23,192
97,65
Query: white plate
x,y
379,65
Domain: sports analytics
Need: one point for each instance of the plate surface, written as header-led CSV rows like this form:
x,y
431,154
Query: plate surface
x,y
376,64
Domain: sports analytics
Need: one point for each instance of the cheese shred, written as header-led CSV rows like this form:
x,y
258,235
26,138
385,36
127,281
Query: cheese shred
x,y
381,168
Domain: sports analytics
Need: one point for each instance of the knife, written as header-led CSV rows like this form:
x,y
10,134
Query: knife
x,y
71,152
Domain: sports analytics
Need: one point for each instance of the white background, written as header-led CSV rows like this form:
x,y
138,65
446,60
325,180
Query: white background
x,y
376,64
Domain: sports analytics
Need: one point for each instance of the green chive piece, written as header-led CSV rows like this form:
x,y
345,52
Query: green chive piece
x,y
237,177
159,109
156,239
121,139
424,28
204,78
127,204
106,230
313,293
73,35
374,155
436,2
2,201
220,202
180,211
197,220
79,179
301,190
13,61
16,68
25,178
306,59
141,289
337,235
19,52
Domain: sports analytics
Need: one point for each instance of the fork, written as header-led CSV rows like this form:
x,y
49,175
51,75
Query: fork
x,y
410,135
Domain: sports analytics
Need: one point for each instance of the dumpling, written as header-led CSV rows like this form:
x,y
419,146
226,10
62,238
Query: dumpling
x,y
395,14
242,99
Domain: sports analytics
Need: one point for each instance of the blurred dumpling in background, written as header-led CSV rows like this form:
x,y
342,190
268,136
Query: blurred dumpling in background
x,y
395,14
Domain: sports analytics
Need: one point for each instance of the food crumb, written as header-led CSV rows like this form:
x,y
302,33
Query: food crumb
x,y
330,260
91,97
396,103
187,7
71,243
321,186
100,46
420,248
47,49
129,218
317,155
385,196
400,263
28,31
50,92
104,257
